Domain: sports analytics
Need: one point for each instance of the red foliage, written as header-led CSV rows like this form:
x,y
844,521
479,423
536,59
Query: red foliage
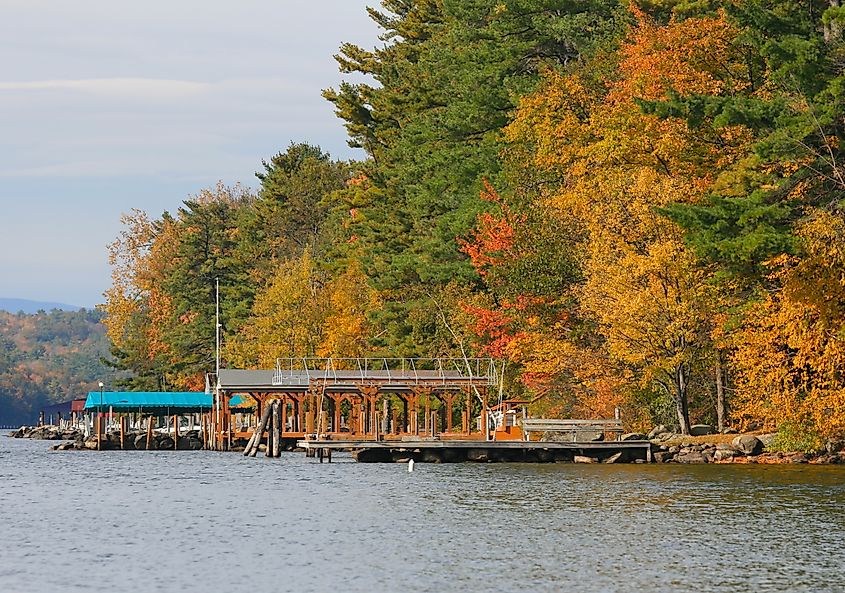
x,y
494,237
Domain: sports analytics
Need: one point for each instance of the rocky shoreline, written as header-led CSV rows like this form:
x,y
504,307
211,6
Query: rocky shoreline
x,y
133,440
667,447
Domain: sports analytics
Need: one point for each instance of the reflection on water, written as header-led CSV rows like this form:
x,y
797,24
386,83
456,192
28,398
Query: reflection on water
x,y
165,521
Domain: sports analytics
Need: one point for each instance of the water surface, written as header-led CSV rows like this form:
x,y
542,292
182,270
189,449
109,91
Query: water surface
x,y
179,521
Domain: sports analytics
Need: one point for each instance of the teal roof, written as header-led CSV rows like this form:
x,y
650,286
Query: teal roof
x,y
140,401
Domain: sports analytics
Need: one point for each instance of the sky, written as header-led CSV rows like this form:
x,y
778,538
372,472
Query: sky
x,y
107,106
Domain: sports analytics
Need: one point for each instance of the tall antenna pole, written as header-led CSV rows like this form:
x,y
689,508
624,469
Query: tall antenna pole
x,y
217,359
217,327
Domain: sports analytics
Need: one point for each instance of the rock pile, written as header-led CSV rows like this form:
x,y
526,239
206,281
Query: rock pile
x,y
744,448
47,432
136,441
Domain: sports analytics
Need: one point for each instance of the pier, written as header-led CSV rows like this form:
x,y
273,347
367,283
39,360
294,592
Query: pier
x,y
429,410
436,451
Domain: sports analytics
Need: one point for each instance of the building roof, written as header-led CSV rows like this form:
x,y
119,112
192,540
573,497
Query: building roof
x,y
74,405
172,402
237,379
299,380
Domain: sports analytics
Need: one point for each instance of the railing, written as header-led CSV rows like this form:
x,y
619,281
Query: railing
x,y
391,371
573,427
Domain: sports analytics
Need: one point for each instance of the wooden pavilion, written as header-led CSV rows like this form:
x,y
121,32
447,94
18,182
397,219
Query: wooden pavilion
x,y
360,398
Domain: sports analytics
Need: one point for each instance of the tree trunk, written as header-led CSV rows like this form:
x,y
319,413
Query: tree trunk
x,y
720,393
681,404
833,28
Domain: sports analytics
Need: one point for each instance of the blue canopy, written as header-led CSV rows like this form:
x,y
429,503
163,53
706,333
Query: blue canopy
x,y
172,402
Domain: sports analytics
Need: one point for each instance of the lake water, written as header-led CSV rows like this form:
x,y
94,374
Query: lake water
x,y
202,521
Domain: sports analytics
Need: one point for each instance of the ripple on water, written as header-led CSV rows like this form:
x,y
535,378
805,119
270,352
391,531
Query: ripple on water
x,y
205,521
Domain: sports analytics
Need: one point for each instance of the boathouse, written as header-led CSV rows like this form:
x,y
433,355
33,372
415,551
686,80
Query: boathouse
x,y
64,414
366,398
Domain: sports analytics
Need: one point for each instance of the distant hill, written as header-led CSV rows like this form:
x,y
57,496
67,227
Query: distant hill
x,y
49,357
27,306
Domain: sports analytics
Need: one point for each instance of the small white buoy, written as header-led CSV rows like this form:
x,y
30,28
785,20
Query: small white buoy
x,y
410,465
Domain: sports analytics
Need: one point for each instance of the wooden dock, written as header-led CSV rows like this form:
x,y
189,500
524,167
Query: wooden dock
x,y
452,450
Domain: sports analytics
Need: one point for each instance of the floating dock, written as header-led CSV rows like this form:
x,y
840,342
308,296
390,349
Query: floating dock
x,y
449,451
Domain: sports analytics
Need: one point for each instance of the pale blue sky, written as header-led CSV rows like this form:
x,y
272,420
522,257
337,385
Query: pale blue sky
x,y
107,106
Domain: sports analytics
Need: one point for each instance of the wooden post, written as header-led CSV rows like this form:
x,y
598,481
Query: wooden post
x,y
277,428
385,419
259,432
336,419
434,424
149,432
309,419
175,432
324,422
99,435
449,397
468,429
271,433
123,432
428,428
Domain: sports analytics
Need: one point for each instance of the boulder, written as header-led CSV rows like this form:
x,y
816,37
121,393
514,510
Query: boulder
x,y
747,444
659,429
691,457
481,455
724,454
767,439
834,446
700,430
729,430
433,456
584,459
166,444
140,442
588,436
90,443
633,436
664,457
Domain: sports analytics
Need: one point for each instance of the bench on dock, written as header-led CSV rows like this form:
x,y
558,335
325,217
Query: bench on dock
x,y
573,427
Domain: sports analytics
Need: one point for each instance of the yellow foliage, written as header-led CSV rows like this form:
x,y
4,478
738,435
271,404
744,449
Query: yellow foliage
x,y
287,320
350,300
300,314
790,352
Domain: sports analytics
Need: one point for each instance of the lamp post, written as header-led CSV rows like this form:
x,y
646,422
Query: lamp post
x,y
100,419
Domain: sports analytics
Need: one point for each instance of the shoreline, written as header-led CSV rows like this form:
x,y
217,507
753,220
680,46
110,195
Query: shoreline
x,y
666,448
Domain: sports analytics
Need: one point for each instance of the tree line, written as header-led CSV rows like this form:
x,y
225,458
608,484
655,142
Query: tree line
x,y
637,205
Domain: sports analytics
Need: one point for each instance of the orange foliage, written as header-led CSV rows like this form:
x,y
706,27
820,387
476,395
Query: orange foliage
x,y
494,237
